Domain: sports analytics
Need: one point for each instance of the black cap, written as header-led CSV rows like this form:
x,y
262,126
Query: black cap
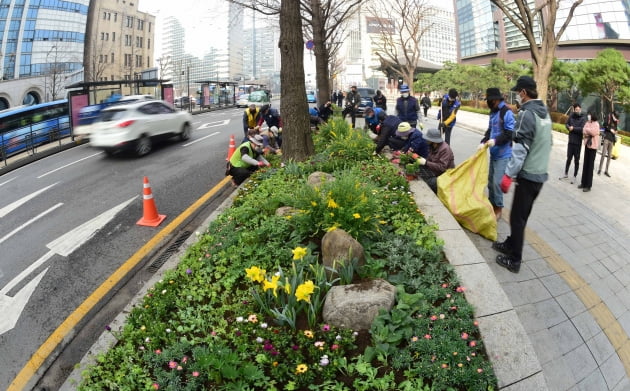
x,y
452,93
524,82
493,94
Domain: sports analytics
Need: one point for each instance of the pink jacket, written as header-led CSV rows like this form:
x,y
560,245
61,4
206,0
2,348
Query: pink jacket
x,y
591,128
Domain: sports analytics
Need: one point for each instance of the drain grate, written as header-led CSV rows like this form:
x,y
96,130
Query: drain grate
x,y
168,252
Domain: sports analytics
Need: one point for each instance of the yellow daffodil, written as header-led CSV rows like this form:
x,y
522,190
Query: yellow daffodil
x,y
332,204
301,368
256,274
287,286
299,253
304,291
332,228
313,203
273,285
356,216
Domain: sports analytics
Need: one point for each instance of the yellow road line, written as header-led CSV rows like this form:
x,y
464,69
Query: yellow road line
x,y
66,327
594,304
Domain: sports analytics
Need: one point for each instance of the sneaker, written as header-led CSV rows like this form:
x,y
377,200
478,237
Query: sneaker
x,y
502,247
509,263
607,174
580,186
599,172
574,180
586,189
565,176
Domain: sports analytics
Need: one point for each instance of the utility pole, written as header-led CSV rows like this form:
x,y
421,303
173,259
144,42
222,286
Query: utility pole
x,y
188,84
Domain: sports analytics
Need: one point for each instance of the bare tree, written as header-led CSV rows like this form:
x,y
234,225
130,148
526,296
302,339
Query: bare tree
x,y
97,58
527,21
324,22
164,65
56,71
402,25
297,142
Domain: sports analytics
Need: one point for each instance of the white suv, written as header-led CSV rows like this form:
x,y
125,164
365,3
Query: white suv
x,y
136,126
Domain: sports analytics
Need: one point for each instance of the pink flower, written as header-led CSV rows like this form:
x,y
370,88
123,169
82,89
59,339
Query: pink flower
x,y
479,370
445,285
433,317
184,359
214,333
427,336
156,386
460,289
326,327
172,364
158,351
448,295
464,335
472,344
195,374
334,346
476,324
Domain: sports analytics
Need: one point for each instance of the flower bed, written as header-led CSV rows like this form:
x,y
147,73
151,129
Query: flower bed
x,y
242,311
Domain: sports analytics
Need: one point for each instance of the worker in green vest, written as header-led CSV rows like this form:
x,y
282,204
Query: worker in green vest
x,y
247,158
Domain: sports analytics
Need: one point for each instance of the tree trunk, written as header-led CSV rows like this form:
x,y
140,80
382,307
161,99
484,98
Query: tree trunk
x,y
321,53
297,143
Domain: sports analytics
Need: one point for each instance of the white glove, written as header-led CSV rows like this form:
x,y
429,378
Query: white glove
x,y
422,161
481,146
490,143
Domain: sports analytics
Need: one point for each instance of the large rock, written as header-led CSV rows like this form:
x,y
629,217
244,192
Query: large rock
x,y
338,245
318,178
355,306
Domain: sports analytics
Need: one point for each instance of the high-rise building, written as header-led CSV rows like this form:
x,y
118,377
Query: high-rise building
x,y
40,42
119,41
485,33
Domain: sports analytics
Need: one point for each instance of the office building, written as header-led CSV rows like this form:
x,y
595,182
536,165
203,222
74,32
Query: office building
x,y
40,42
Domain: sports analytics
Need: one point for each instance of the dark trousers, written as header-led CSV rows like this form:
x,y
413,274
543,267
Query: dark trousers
x,y
573,153
589,166
239,174
425,111
525,194
447,133
353,114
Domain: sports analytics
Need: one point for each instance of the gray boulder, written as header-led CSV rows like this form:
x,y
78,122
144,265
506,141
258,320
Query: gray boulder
x,y
356,306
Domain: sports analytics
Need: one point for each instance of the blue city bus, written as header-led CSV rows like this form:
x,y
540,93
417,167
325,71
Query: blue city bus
x,y
29,126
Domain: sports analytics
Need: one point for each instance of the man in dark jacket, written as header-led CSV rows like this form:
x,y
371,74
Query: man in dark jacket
x,y
387,135
380,100
448,113
407,107
425,102
574,125
353,100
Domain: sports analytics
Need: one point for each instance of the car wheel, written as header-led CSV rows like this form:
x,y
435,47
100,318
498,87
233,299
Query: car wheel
x,y
109,152
143,145
186,132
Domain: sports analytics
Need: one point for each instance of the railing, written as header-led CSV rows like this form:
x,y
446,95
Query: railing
x,y
28,138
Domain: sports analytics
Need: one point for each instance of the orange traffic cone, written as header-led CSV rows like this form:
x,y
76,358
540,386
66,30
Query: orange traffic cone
x,y
150,216
231,147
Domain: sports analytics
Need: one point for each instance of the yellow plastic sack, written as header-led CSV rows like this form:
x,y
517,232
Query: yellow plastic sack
x,y
615,150
461,190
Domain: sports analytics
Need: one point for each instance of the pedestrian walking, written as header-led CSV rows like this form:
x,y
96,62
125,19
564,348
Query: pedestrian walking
x,y
339,98
610,137
575,125
448,113
591,143
353,99
528,165
498,138
425,102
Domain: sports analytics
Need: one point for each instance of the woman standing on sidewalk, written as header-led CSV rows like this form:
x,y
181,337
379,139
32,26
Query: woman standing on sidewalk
x,y
591,142
610,135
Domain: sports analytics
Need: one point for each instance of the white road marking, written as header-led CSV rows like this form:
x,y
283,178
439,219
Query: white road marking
x,y
12,307
200,139
214,124
31,221
11,207
5,182
26,272
68,165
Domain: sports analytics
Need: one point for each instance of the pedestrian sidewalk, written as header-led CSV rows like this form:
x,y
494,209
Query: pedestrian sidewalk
x,y
572,294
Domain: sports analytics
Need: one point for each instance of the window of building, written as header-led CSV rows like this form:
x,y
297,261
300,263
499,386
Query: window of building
x,y
115,16
140,24
138,61
102,36
104,15
112,58
100,60
149,26
148,62
114,36
130,21
148,43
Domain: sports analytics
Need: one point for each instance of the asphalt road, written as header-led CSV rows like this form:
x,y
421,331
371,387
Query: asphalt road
x,y
67,222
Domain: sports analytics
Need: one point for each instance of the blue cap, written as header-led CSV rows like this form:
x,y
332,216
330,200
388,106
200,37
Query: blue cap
x,y
404,88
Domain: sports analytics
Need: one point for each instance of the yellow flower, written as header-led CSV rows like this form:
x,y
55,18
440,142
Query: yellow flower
x,y
299,253
256,274
313,203
356,216
287,286
308,333
304,291
332,203
301,368
331,228
273,285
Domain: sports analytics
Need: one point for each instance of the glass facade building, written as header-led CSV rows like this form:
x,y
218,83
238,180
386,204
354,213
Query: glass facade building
x,y
36,35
